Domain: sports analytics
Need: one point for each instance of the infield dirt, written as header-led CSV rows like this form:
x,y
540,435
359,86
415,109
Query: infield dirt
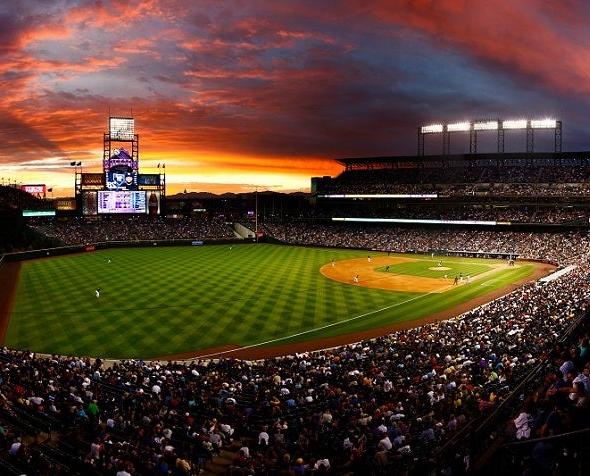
x,y
344,271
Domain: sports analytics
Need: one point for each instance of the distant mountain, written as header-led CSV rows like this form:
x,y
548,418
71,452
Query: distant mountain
x,y
192,195
210,195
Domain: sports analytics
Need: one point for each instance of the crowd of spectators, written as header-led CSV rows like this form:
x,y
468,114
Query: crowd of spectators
x,y
559,407
382,406
513,214
13,198
445,180
551,246
14,237
74,231
506,190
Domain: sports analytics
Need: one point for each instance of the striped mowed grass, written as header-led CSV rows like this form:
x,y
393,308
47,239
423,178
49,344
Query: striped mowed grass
x,y
162,301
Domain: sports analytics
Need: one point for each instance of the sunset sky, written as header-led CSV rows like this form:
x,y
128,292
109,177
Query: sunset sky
x,y
237,94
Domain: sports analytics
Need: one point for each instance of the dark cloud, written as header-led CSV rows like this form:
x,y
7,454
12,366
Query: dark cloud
x,y
21,142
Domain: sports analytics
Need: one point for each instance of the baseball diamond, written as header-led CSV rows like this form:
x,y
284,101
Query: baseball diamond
x,y
254,300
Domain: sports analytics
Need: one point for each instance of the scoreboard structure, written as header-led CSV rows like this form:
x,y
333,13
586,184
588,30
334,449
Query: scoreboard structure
x,y
120,188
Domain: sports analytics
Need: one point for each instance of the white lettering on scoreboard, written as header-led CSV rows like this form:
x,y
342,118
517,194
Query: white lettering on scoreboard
x,y
123,201
121,128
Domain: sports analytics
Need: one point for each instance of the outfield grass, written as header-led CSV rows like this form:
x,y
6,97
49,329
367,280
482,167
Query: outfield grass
x,y
159,301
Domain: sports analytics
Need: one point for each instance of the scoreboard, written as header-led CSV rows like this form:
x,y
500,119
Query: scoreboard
x,y
120,189
121,128
122,201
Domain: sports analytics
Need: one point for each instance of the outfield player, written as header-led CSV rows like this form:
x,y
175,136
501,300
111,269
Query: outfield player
x,y
97,293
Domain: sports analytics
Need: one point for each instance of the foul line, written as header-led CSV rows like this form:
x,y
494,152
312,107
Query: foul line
x,y
278,339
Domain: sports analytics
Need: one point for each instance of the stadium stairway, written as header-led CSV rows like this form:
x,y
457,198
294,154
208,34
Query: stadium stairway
x,y
222,462
242,232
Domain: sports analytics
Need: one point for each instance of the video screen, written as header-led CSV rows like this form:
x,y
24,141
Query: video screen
x,y
38,213
121,201
148,179
121,177
36,190
121,128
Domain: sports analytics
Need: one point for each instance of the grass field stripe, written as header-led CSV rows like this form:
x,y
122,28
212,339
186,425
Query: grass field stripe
x,y
162,302
309,331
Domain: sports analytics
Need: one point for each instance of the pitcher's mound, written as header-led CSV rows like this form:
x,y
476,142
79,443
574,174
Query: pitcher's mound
x,y
438,268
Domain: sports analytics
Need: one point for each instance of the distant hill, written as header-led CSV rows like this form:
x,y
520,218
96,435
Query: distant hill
x,y
209,195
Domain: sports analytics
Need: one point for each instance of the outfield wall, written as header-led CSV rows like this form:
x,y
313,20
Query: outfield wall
x,y
102,245
66,250
437,252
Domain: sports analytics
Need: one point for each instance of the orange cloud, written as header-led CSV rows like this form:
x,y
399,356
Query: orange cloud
x,y
136,46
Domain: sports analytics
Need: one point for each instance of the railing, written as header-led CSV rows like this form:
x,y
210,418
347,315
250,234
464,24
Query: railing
x,y
81,248
472,439
573,446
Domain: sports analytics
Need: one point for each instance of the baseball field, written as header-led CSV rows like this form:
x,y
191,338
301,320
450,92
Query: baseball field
x,y
249,300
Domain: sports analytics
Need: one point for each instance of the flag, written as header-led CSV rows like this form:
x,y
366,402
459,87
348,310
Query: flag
x,y
73,164
79,164
50,189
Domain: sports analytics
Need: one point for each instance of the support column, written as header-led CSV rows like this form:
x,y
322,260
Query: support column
x,y
420,142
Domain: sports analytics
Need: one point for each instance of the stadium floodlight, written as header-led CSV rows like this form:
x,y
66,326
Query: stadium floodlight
x,y
485,126
431,129
418,221
514,124
459,126
380,195
543,123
